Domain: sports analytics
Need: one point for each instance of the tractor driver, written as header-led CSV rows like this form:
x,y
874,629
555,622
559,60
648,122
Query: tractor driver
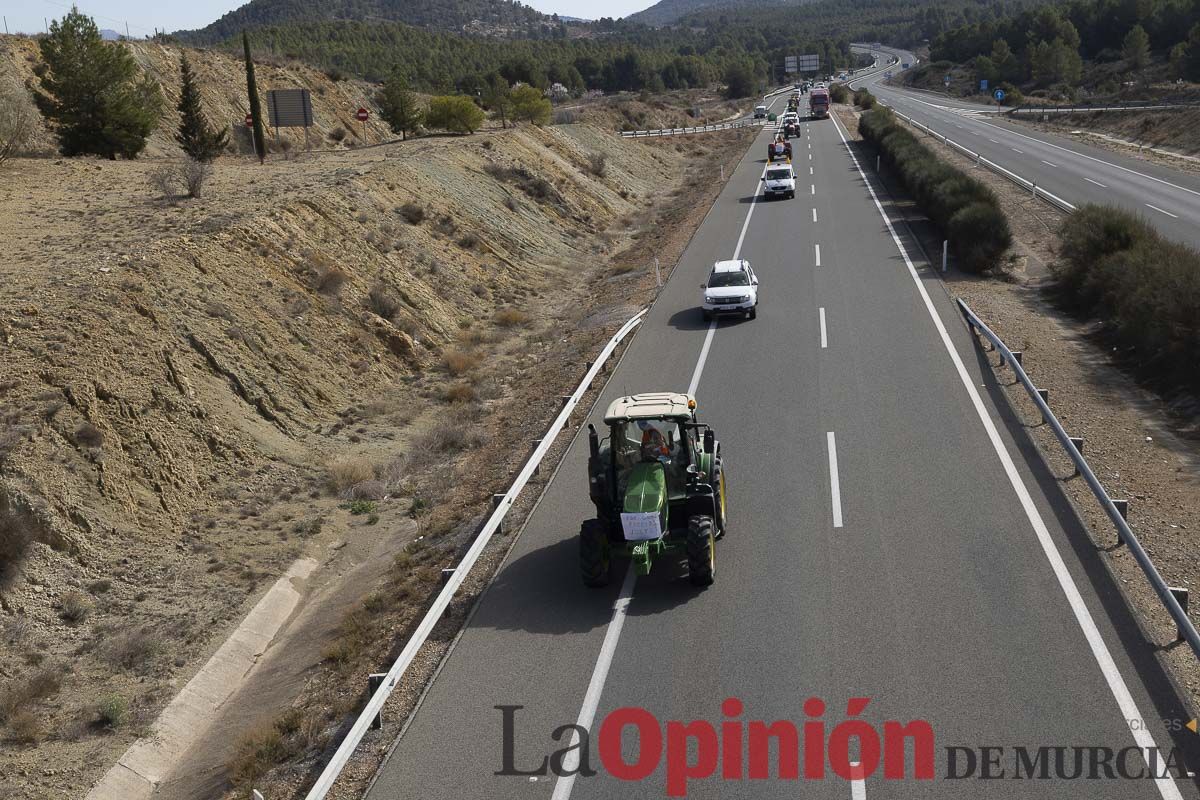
x,y
654,444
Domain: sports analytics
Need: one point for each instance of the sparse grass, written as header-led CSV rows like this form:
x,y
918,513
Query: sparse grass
x,y
306,528
74,607
459,362
293,732
460,393
112,711
412,213
88,435
511,317
99,587
450,436
331,278
347,472
133,650
446,225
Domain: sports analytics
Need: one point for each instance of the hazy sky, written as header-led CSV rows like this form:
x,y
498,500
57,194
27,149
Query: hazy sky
x,y
144,16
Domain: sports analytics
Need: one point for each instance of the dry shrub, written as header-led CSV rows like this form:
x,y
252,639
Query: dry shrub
x,y
460,393
412,213
111,711
597,164
88,435
183,178
256,753
446,225
133,650
331,278
24,727
450,436
347,472
383,302
19,694
459,362
511,317
624,268
15,537
74,607
469,241
16,117
338,134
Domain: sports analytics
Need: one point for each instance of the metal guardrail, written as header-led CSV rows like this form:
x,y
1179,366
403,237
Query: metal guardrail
x,y
503,504
1024,183
1131,105
720,126
1186,630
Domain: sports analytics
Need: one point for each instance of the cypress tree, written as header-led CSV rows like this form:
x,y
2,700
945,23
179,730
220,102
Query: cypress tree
x,y
195,137
260,141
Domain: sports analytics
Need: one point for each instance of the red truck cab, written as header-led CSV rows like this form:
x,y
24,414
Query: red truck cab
x,y
818,101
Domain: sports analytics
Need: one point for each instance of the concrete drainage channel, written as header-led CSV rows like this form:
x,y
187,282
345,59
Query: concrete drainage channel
x,y
1175,600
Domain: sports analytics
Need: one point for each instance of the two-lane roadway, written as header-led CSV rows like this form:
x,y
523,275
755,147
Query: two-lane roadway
x,y
892,537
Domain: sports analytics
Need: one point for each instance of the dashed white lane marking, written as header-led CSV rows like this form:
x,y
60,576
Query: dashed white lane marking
x,y
814,215
1015,150
993,141
835,488
1159,210
1098,183
1126,705
817,249
1048,164
814,188
824,336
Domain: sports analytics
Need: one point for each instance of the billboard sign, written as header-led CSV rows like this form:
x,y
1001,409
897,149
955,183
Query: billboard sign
x,y
290,108
808,63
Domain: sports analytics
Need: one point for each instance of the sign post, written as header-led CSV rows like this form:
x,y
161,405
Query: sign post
x,y
290,108
362,116
999,95
249,120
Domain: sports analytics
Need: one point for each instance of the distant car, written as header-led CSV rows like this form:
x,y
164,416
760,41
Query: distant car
x,y
779,181
760,112
732,288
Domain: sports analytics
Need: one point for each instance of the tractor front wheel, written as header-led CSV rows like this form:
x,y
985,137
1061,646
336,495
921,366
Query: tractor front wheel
x,y
701,551
594,553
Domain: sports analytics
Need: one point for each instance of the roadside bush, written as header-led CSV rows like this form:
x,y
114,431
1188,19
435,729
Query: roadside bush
x,y
597,164
966,210
132,650
345,473
15,538
74,607
383,302
864,99
458,362
838,93
184,178
16,696
413,214
25,728
112,710
1114,267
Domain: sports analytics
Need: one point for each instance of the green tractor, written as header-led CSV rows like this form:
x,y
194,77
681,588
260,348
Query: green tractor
x,y
658,486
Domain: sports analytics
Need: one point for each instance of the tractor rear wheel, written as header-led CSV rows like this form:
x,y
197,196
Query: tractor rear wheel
x,y
594,553
701,551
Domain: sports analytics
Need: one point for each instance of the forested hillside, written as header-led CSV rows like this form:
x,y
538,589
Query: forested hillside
x,y
478,16
1048,46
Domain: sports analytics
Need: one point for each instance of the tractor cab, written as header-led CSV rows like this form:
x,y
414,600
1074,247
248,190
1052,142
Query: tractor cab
x,y
657,483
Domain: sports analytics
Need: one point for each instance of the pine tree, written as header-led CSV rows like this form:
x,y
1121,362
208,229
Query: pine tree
x,y
398,106
1136,48
528,104
91,91
195,137
260,139
497,97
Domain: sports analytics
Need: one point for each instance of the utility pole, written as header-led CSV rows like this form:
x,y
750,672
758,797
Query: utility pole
x,y
6,26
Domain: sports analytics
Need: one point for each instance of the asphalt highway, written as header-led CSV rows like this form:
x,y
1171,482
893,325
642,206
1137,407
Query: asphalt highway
x,y
893,536
1066,167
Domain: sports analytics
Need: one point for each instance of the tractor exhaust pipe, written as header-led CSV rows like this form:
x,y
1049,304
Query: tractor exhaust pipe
x,y
593,441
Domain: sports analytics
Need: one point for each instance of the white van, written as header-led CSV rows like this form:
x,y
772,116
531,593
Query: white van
x,y
779,181
760,112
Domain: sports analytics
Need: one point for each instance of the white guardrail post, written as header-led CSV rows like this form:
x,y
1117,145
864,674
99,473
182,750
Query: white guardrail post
x,y
1169,596
503,503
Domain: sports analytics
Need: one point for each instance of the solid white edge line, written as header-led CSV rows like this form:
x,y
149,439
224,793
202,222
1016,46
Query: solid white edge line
x,y
824,336
835,487
591,700
1083,616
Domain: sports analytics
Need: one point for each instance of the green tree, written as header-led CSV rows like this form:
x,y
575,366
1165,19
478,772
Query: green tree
x,y
399,107
1136,48
1191,62
1178,60
740,79
454,113
1055,62
260,138
1007,67
497,96
529,105
92,94
985,68
195,137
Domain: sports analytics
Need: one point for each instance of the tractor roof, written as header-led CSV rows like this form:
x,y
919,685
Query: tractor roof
x,y
649,405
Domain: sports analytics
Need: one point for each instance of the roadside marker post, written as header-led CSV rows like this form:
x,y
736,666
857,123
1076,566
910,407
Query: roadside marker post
x,y
1077,443
945,253
657,274
1181,597
374,681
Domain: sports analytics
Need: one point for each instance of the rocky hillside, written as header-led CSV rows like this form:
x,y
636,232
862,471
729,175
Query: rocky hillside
x,y
222,82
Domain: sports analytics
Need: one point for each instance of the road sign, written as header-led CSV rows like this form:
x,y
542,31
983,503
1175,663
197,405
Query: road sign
x,y
810,62
999,95
249,120
290,108
946,80
983,85
363,115
790,64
